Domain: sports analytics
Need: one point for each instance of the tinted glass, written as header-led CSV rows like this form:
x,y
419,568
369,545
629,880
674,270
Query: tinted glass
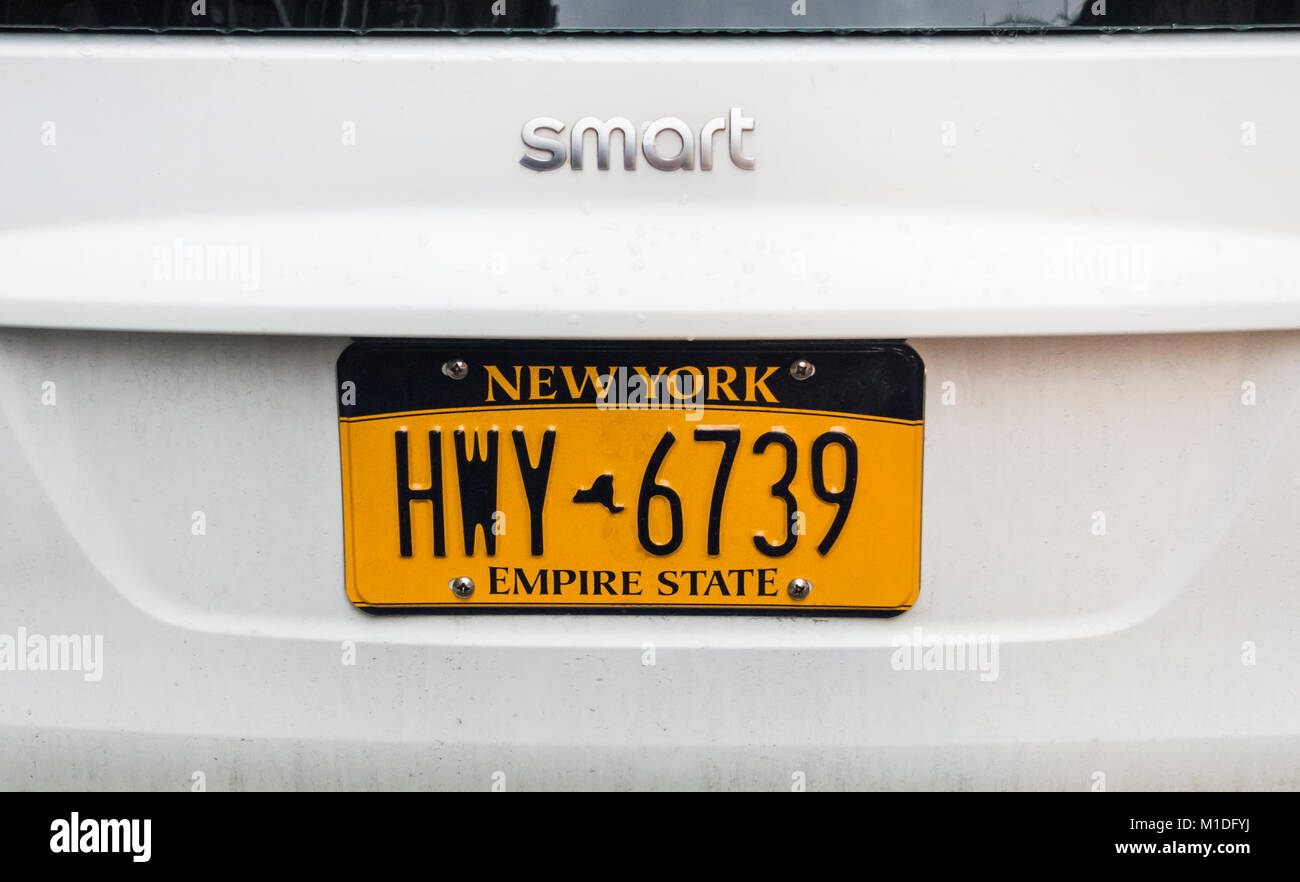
x,y
643,15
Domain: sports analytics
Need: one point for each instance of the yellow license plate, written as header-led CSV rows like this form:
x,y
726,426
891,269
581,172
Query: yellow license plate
x,y
631,477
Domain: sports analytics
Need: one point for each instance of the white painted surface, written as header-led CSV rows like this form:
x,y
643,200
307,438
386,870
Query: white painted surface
x,y
1119,653
1096,184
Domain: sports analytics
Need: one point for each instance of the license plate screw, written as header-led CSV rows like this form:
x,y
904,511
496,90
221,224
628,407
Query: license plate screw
x,y
457,369
462,586
802,369
799,588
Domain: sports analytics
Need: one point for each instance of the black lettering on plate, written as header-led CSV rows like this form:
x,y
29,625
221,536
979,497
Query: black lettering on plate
x,y
649,490
478,490
781,490
535,480
730,438
841,499
406,495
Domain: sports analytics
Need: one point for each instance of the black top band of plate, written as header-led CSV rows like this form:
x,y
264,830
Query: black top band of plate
x,y
877,379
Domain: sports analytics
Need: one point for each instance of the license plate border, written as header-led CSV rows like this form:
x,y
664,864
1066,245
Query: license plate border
x,y
568,345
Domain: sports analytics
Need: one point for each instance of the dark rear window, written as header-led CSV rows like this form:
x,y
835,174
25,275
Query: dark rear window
x,y
671,16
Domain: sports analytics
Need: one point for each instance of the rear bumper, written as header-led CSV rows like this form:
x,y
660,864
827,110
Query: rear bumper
x,y
223,652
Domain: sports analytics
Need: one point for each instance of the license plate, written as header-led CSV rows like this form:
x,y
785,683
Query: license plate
x,y
498,476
